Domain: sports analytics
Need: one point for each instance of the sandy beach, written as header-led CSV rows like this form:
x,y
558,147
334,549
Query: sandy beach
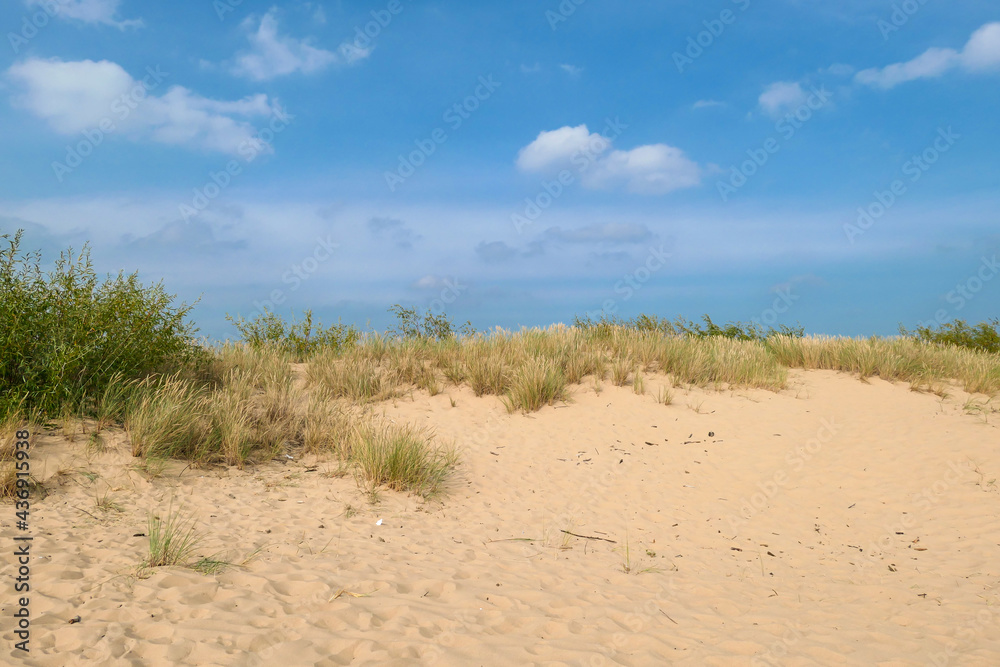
x,y
835,522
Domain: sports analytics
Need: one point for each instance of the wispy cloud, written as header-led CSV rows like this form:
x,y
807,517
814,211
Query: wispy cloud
x,y
272,54
495,252
88,11
781,97
608,233
707,104
572,70
394,230
981,53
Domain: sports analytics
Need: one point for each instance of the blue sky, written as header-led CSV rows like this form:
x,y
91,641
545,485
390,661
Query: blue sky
x,y
831,164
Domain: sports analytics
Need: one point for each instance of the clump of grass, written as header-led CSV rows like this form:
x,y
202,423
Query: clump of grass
x,y
428,381
664,396
231,413
328,428
487,365
905,359
172,541
401,458
353,376
638,384
211,565
170,418
96,444
106,504
536,383
242,419
10,422
621,368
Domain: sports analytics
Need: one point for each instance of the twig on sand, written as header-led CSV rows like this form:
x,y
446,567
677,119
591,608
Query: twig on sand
x,y
588,537
513,539
343,591
85,511
668,616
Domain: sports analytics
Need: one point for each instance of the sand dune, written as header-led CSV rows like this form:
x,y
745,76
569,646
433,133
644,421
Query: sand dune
x,y
836,522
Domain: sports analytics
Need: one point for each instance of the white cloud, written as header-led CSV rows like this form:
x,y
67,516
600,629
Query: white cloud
x,y
71,96
274,55
77,96
572,70
650,169
429,281
931,63
318,16
981,52
88,11
556,148
781,97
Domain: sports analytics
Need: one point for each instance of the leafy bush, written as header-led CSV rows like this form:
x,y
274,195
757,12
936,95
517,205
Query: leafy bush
x,y
430,327
984,336
66,335
299,338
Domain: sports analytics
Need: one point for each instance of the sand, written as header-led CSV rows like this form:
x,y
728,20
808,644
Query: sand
x,y
836,522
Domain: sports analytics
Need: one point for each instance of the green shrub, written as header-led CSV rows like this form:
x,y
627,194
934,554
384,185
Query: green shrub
x,y
984,336
299,338
429,327
65,335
